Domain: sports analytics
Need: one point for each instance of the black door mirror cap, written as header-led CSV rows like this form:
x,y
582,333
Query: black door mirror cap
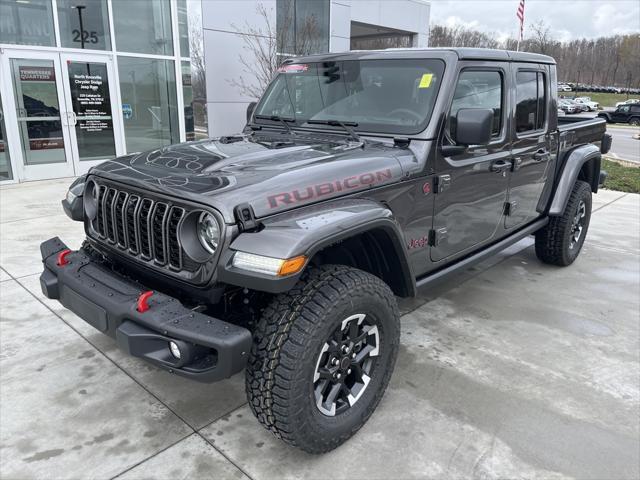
x,y
474,126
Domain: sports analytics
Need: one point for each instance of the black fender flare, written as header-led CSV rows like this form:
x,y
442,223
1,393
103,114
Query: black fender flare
x,y
308,230
573,164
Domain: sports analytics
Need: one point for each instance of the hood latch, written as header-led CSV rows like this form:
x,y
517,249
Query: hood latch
x,y
246,218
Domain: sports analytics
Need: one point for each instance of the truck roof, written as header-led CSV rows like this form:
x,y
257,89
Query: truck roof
x,y
463,53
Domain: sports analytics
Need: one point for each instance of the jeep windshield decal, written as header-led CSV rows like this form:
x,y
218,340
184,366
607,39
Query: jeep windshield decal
x,y
388,96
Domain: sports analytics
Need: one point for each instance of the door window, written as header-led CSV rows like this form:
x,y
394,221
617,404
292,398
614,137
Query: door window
x,y
478,89
38,111
531,100
91,103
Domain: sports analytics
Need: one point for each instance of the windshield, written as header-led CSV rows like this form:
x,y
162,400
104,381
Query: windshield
x,y
386,96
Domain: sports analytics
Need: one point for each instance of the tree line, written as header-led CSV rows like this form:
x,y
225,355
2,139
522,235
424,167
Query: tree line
x,y
605,61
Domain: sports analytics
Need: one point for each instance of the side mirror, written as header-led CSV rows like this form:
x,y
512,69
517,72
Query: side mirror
x,y
473,126
250,108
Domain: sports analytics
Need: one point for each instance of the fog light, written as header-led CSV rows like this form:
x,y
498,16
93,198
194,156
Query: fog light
x,y
175,350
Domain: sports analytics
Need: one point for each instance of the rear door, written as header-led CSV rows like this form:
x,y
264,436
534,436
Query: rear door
x,y
472,186
531,148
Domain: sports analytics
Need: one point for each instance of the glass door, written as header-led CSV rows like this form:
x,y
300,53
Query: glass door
x,y
91,102
39,120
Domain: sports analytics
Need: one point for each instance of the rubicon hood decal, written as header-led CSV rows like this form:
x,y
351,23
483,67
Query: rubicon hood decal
x,y
272,172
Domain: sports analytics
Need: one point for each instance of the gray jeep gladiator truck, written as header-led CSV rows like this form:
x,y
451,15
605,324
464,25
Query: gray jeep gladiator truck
x,y
359,178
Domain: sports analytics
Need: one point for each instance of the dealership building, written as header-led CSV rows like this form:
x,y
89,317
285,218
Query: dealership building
x,y
83,81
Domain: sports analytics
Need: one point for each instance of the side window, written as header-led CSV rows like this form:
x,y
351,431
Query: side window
x,y
635,108
478,89
531,101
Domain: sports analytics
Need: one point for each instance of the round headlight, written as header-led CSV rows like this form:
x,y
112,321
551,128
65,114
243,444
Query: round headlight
x,y
208,232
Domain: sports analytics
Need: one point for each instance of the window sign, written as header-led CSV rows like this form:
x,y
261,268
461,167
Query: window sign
x,y
127,111
84,24
89,87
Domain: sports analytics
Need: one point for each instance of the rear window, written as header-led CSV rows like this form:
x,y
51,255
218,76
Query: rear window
x,y
531,101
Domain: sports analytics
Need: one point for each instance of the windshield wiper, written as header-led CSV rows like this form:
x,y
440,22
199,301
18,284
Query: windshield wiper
x,y
337,123
277,118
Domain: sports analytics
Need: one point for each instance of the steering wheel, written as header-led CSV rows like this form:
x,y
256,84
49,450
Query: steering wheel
x,y
404,112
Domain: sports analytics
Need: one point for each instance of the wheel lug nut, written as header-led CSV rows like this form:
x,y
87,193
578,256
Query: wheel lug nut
x,y
345,349
338,375
334,361
349,371
353,355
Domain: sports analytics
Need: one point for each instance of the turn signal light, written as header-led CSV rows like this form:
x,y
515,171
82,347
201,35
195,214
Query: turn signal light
x,y
292,265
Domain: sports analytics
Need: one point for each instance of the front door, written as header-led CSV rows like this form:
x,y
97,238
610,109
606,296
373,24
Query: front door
x,y
531,148
472,186
62,118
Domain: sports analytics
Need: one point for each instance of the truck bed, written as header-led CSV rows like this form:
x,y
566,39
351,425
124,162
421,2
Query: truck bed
x,y
575,131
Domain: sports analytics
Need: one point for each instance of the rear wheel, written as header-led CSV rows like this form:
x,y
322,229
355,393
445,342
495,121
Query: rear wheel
x,y
635,121
560,242
322,357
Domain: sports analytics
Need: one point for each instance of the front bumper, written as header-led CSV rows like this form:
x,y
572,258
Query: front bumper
x,y
211,348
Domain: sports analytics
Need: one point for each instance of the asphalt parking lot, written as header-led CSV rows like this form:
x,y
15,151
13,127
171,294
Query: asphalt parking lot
x,y
513,369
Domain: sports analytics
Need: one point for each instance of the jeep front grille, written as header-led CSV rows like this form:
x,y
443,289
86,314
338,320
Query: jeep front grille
x,y
141,227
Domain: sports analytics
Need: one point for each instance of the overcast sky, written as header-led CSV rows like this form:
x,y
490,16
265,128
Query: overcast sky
x,y
568,19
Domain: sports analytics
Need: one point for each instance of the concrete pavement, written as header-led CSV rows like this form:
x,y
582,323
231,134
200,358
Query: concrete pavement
x,y
513,369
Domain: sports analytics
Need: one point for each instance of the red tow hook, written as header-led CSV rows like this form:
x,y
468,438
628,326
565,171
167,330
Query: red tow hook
x,y
62,258
142,305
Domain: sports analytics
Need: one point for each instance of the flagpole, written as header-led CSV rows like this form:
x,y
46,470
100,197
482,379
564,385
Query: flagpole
x,y
520,15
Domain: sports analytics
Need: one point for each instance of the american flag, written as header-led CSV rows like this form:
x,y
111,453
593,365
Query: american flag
x,y
520,15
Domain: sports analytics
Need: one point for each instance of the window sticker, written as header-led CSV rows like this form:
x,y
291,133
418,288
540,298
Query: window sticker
x,y
425,81
293,68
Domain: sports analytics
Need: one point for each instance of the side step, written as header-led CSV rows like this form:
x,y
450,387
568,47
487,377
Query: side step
x,y
433,278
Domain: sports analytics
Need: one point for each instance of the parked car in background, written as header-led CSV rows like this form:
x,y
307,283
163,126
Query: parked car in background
x,y
586,101
628,102
567,106
564,88
623,114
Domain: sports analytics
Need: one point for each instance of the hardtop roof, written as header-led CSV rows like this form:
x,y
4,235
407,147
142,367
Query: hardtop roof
x,y
462,53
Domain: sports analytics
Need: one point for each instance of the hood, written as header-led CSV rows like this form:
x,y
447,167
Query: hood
x,y
272,172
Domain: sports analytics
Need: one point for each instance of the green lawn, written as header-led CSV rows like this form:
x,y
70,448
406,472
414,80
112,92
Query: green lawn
x,y
621,177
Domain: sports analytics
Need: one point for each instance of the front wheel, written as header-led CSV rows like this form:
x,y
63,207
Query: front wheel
x,y
560,242
322,357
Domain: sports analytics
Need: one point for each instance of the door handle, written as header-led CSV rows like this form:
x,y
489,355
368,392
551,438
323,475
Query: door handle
x,y
541,156
500,166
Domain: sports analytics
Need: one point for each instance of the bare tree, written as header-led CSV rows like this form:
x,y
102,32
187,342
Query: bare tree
x,y
266,46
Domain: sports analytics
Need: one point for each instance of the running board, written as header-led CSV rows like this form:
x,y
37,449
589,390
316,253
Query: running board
x,y
451,270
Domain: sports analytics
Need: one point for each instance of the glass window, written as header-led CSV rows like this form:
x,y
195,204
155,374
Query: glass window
x,y
303,26
5,163
143,26
37,108
391,96
149,105
478,89
531,101
27,22
84,24
183,28
187,97
91,101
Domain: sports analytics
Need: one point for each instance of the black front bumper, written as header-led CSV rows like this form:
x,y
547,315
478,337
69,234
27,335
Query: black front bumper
x,y
211,349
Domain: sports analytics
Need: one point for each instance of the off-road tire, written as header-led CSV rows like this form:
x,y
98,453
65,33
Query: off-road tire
x,y
553,242
634,121
287,345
